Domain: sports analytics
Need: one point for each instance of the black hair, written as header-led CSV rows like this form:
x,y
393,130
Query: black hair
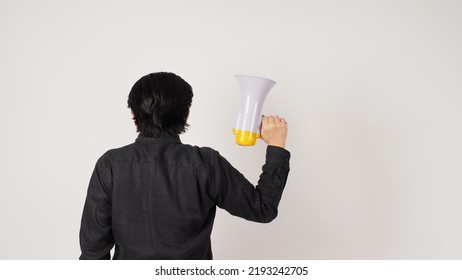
x,y
160,104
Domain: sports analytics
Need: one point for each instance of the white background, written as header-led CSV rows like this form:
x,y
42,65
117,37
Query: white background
x,y
372,91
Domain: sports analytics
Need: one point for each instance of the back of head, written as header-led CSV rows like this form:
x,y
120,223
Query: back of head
x,y
160,104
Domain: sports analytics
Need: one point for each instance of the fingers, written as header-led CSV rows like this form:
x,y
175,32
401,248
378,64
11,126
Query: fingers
x,y
274,130
277,120
274,120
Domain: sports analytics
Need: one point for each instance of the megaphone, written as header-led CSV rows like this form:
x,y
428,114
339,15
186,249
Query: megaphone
x,y
253,94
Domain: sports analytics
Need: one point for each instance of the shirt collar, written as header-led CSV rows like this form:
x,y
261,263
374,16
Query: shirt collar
x,y
164,137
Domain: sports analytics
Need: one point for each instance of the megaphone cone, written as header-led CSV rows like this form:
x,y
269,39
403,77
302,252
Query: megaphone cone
x,y
253,94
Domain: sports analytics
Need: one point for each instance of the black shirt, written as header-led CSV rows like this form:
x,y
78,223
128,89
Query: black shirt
x,y
156,199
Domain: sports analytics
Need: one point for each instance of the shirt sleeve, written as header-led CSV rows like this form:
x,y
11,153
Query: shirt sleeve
x,y
234,193
96,239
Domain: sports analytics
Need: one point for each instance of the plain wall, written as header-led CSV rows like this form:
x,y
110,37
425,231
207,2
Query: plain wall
x,y
372,91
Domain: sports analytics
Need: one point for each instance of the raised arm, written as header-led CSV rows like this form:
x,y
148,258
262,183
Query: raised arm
x,y
234,193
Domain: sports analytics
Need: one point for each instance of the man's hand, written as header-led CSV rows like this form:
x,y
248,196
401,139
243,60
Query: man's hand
x,y
274,131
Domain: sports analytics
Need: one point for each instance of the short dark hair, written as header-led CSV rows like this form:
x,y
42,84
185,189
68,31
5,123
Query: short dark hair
x,y
160,103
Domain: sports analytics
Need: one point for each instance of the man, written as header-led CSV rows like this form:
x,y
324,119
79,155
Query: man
x,y
156,198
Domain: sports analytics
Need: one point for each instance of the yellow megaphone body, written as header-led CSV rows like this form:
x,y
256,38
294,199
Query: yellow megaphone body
x,y
253,94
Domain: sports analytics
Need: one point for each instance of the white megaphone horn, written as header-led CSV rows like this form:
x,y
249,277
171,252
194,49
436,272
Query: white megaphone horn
x,y
253,93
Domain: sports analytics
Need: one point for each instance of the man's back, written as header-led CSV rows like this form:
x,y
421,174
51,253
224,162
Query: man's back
x,y
156,199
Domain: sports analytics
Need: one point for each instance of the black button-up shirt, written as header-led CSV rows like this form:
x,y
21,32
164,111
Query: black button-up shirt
x,y
156,199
